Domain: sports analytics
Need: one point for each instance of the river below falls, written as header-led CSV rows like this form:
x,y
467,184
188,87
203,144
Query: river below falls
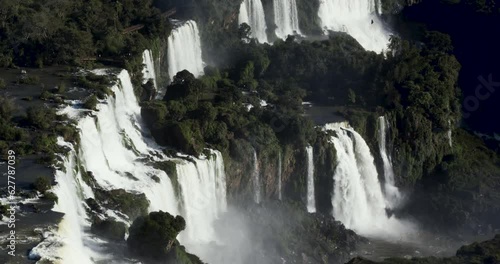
x,y
423,246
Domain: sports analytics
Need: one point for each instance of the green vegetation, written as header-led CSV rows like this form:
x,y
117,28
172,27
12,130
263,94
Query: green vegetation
x,y
91,102
42,184
133,205
68,32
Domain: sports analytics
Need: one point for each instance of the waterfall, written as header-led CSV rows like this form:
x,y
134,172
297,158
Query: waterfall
x,y
202,185
286,18
392,194
356,17
280,195
357,200
311,200
256,178
252,13
184,50
380,8
148,72
113,148
449,135
71,239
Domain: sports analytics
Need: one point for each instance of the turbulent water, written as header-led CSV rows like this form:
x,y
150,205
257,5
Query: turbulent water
x,y
184,50
286,18
256,178
148,72
252,13
358,201
356,17
392,194
114,148
311,199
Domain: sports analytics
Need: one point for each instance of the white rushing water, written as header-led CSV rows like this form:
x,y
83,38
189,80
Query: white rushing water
x,y
148,72
113,148
392,194
358,200
203,198
256,178
286,18
184,50
252,13
358,18
311,199
70,190
280,195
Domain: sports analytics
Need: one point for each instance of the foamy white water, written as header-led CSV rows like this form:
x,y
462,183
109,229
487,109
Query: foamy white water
x,y
311,199
113,148
358,18
252,13
286,18
358,201
68,244
392,194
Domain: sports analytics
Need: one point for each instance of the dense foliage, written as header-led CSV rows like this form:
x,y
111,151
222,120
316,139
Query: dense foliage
x,y
154,237
38,33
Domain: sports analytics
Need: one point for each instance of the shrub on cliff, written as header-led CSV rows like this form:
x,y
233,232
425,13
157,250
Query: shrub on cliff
x,y
154,237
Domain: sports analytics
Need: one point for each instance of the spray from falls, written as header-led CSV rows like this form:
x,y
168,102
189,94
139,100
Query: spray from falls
x,y
358,200
252,13
358,18
311,199
392,194
286,18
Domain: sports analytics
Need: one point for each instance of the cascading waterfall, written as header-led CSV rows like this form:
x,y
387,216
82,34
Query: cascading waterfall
x,y
69,244
256,178
357,200
184,50
392,194
358,18
286,18
203,198
252,13
280,195
148,72
311,199
113,148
